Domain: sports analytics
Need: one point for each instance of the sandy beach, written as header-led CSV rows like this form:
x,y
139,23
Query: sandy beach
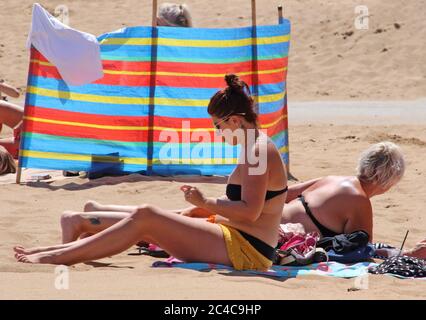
x,y
317,149
345,93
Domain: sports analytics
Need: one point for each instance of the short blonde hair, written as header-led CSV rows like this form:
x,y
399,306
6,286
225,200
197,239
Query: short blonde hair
x,y
382,163
7,164
175,15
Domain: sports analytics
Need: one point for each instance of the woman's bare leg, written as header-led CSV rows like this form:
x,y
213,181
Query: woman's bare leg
x,y
21,249
183,237
77,224
419,251
92,206
10,114
109,220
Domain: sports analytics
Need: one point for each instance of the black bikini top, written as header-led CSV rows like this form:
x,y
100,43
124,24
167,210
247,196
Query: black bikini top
x,y
233,192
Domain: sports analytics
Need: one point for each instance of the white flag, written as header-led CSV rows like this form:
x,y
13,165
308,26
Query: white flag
x,y
75,54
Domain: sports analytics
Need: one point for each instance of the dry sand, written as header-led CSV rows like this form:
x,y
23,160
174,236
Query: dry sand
x,y
329,58
30,216
325,64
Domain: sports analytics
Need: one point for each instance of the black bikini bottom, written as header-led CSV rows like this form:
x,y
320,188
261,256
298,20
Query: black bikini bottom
x,y
265,249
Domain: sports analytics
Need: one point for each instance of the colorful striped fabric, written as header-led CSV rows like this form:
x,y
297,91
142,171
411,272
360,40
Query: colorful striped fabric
x,y
148,113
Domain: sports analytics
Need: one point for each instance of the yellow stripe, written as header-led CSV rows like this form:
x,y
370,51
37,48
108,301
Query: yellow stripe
x,y
195,43
181,74
283,149
43,63
271,124
133,100
185,74
139,161
87,125
137,128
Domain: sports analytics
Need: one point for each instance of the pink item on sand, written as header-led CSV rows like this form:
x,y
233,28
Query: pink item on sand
x,y
300,249
153,247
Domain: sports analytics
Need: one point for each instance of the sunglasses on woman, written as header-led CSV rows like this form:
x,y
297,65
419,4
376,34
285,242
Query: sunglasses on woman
x,y
217,124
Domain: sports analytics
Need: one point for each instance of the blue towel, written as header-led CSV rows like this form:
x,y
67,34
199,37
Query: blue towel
x,y
332,269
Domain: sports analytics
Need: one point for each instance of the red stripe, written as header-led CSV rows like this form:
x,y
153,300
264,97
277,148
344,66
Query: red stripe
x,y
119,135
84,132
35,54
172,81
108,120
189,67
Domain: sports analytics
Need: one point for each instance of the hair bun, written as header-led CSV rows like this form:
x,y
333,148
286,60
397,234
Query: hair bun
x,y
234,83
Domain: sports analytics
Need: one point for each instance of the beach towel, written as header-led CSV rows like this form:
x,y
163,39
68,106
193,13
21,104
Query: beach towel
x,y
75,54
332,269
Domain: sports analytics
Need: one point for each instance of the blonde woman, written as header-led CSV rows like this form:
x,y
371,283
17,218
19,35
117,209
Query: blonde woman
x,y
334,205
174,15
7,163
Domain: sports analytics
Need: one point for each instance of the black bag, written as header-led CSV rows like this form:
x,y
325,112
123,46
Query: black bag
x,y
344,243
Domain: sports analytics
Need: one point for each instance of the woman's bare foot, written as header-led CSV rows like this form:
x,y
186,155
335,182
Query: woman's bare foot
x,y
37,258
419,251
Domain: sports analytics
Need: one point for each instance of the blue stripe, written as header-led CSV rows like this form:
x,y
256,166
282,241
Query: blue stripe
x,y
136,150
281,139
132,110
55,164
142,91
99,147
170,170
82,147
167,170
165,52
200,33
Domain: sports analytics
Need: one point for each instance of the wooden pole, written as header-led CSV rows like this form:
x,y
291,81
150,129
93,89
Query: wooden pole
x,y
152,82
154,12
289,175
280,14
253,13
19,171
254,65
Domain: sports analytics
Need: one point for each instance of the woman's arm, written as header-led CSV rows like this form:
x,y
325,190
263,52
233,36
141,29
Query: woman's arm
x,y
253,191
197,212
9,90
295,190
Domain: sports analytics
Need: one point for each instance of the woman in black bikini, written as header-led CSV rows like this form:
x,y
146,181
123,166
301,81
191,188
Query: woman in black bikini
x,y
245,224
11,116
336,204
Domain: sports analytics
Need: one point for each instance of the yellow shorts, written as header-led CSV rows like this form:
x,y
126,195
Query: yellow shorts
x,y
241,253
